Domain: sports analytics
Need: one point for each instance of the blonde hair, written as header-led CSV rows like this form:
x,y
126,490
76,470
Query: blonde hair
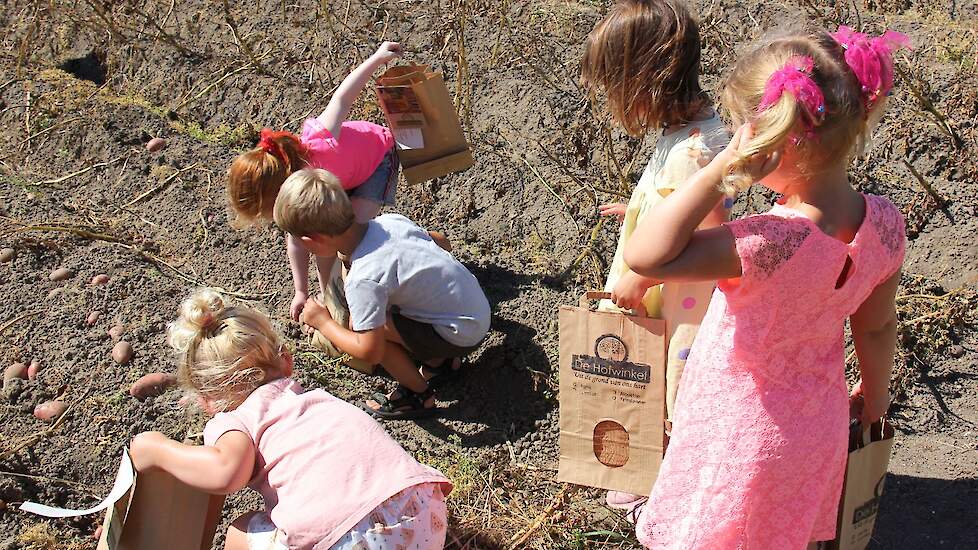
x,y
842,130
312,201
256,176
225,351
645,55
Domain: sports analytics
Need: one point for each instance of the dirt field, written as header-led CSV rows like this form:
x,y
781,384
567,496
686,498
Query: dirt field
x,y
85,84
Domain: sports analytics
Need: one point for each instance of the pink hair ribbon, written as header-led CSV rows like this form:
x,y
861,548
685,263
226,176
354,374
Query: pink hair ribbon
x,y
268,144
795,78
871,60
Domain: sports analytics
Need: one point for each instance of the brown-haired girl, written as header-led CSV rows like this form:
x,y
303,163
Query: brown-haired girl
x,y
758,453
645,57
361,154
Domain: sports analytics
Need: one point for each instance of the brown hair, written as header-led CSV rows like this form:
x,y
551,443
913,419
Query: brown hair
x,y
841,132
256,176
645,55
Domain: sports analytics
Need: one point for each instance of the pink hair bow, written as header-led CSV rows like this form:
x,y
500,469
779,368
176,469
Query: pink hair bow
x,y
871,60
795,78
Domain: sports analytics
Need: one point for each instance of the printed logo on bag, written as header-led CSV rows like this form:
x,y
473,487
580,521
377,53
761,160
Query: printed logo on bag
x,y
610,359
870,507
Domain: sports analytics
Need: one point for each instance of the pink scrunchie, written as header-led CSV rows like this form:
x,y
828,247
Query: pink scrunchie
x,y
871,60
795,78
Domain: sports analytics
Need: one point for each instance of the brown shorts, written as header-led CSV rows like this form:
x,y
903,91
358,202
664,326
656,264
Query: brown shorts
x,y
423,342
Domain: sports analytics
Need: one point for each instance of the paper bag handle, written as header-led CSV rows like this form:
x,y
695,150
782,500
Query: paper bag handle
x,y
592,295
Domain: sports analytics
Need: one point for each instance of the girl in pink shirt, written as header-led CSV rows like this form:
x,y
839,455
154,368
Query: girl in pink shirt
x,y
361,154
330,476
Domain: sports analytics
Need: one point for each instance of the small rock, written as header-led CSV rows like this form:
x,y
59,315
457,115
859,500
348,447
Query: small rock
x,y
93,318
54,293
122,352
33,370
155,144
956,351
117,331
100,279
6,255
49,410
17,370
60,274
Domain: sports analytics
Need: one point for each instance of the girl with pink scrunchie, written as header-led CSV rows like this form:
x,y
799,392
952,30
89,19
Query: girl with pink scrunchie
x,y
758,452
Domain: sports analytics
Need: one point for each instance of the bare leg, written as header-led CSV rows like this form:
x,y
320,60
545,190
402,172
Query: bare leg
x,y
364,210
324,268
398,364
237,538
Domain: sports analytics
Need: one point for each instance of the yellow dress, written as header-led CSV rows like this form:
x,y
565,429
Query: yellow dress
x,y
677,156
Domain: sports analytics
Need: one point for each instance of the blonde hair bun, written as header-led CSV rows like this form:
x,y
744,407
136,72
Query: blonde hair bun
x,y
198,313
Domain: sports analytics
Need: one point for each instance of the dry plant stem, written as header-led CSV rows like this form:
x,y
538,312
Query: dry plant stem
x,y
145,255
17,319
927,105
239,41
160,33
48,129
923,183
585,251
166,183
558,502
209,87
67,177
53,479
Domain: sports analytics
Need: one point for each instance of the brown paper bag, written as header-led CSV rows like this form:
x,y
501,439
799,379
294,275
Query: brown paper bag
x,y
161,513
869,456
612,398
424,122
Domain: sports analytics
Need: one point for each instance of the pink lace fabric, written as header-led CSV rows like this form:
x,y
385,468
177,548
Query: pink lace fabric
x,y
759,445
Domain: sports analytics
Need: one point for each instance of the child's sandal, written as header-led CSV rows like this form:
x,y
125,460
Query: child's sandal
x,y
409,405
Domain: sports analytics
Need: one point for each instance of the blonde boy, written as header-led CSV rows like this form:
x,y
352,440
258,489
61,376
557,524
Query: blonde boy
x,y
409,300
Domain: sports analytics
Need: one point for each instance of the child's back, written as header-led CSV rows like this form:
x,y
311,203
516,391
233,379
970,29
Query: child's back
x,y
322,464
398,264
768,361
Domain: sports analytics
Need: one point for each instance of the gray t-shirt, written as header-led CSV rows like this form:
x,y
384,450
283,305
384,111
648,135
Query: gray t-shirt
x,y
397,264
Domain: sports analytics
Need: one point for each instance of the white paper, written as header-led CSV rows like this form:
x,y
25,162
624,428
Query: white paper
x,y
123,481
409,138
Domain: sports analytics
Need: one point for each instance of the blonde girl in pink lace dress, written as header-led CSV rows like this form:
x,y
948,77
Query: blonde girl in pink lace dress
x,y
759,446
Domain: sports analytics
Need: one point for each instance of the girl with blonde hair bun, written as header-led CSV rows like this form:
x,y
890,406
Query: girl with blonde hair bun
x,y
330,476
758,451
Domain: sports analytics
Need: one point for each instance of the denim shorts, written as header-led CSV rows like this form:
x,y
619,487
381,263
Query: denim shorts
x,y
381,186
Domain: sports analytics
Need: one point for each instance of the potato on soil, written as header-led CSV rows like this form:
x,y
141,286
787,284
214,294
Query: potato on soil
x,y
117,331
17,370
60,274
152,384
33,370
155,144
93,318
6,255
49,410
100,279
122,352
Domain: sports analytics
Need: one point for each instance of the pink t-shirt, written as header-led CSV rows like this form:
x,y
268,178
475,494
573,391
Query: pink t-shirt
x,y
322,464
354,156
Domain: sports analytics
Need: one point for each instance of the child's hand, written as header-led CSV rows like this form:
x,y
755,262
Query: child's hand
x,y
868,407
298,304
758,165
316,314
630,290
613,209
144,448
387,52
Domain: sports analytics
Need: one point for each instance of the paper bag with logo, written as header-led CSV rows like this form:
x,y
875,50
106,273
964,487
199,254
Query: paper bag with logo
x,y
612,398
869,456
422,117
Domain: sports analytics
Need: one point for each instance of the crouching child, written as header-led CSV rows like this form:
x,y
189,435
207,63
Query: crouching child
x,y
414,309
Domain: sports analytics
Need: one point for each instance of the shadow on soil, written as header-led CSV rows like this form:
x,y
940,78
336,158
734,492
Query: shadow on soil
x,y
919,512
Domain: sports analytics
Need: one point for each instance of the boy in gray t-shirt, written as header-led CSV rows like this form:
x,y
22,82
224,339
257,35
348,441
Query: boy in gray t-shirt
x,y
409,300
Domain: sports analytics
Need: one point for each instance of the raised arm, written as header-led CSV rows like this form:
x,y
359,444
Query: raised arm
x,y
222,469
339,105
874,332
667,245
299,265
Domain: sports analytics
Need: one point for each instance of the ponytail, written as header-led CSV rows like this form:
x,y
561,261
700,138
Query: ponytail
x,y
256,176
